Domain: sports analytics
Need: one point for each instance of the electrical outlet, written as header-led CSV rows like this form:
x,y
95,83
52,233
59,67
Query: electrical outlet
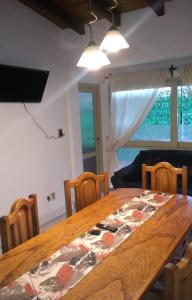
x,y
53,195
60,132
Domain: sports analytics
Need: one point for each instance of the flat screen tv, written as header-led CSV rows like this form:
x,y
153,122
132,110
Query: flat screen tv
x,y
18,84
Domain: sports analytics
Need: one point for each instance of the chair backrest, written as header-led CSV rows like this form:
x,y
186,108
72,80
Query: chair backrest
x,y
178,278
21,224
164,177
88,188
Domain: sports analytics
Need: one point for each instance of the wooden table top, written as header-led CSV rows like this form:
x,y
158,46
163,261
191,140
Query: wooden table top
x,y
130,269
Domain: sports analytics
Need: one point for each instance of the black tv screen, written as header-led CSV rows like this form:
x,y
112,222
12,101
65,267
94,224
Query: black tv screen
x,y
18,84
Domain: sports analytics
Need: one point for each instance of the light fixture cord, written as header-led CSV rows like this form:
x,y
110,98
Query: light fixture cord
x,y
91,32
114,6
93,21
111,8
92,13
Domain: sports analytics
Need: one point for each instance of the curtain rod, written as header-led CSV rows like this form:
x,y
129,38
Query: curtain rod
x,y
172,68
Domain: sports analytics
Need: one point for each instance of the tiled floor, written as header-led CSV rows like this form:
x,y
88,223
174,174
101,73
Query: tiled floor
x,y
51,223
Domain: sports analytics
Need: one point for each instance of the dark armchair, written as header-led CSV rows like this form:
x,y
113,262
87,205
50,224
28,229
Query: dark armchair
x,y
131,176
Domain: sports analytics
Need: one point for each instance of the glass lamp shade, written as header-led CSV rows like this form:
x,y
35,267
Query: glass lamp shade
x,y
93,58
113,41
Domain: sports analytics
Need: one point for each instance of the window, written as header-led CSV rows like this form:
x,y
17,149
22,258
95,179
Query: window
x,y
168,124
157,125
87,122
184,105
90,127
127,155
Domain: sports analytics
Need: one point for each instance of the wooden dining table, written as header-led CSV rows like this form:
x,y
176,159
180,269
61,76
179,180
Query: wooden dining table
x,y
130,269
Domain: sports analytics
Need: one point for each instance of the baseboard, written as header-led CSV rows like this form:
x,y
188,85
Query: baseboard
x,y
46,218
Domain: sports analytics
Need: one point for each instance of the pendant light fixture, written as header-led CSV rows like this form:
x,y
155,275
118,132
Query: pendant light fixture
x,y
113,40
92,58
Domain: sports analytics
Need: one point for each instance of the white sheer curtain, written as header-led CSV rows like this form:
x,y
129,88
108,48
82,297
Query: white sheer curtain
x,y
185,73
133,96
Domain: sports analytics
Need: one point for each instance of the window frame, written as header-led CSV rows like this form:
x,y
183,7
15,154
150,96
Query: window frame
x,y
173,82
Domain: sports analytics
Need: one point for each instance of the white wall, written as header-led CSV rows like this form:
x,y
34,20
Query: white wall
x,y
153,38
28,161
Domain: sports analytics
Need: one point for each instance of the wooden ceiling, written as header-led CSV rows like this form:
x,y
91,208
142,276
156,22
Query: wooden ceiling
x,y
75,14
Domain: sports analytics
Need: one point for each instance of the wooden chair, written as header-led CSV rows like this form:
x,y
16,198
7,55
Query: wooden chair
x,y
164,177
177,280
21,224
88,188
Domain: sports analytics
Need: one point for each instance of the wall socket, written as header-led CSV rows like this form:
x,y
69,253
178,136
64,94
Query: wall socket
x,y
60,132
51,196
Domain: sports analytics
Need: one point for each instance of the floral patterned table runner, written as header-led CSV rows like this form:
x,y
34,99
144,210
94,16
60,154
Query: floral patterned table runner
x,y
57,274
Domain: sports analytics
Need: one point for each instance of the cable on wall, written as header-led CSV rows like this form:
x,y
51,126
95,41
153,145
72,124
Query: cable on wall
x,y
60,131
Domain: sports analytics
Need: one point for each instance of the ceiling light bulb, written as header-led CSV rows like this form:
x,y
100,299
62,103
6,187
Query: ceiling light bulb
x,y
113,41
93,58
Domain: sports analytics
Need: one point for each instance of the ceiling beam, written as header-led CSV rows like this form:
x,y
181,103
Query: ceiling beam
x,y
57,15
102,7
158,6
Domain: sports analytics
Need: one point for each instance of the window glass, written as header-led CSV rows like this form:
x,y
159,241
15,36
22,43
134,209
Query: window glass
x,y
157,125
184,115
87,122
127,155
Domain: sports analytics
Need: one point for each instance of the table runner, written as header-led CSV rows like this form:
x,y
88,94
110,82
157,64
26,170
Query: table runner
x,y
57,274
